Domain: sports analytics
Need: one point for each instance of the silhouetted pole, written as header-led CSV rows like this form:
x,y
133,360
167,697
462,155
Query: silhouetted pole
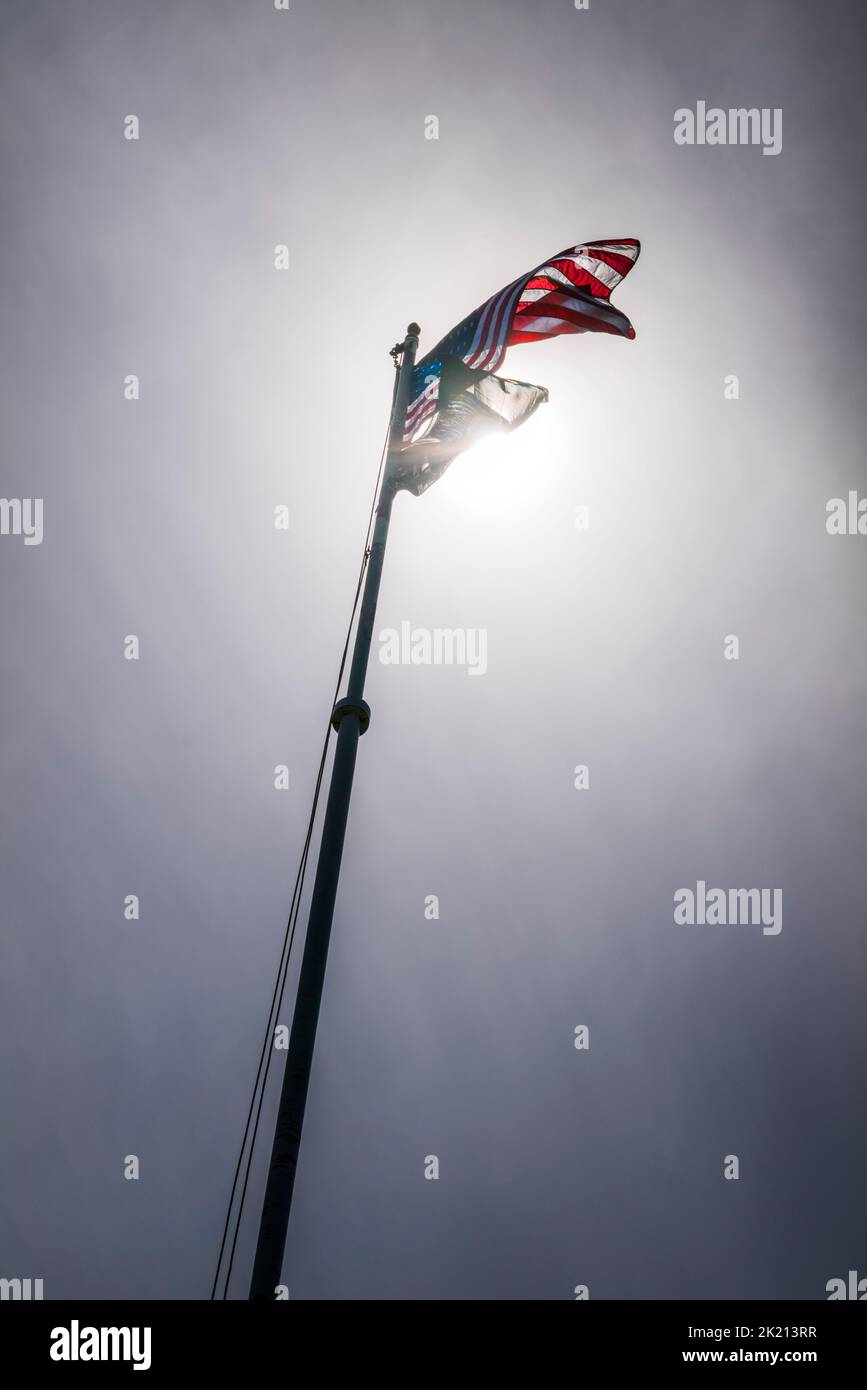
x,y
350,718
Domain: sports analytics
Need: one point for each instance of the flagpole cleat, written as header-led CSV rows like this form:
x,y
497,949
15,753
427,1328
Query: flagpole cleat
x,y
347,706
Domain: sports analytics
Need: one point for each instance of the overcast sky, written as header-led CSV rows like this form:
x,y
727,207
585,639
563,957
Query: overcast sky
x,y
558,1167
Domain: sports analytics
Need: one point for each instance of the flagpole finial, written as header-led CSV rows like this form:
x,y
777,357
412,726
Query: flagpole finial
x,y
414,330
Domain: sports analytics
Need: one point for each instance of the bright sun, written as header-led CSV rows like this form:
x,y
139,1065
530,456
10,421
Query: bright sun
x,y
501,475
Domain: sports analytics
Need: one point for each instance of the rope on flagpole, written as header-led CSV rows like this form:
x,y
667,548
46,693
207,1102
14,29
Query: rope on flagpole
x,y
248,1142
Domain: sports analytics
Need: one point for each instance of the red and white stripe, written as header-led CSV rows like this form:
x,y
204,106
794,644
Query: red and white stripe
x,y
569,294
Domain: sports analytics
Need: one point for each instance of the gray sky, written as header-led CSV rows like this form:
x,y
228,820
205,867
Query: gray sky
x,y
558,1167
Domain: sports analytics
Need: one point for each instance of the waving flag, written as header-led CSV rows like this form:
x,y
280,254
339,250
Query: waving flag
x,y
486,404
450,406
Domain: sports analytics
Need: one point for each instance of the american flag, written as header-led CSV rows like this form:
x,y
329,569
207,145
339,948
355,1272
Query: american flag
x,y
570,293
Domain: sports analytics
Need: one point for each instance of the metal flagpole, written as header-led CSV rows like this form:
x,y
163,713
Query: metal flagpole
x,y
350,718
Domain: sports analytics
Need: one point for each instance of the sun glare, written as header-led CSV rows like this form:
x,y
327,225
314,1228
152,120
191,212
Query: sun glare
x,y
501,475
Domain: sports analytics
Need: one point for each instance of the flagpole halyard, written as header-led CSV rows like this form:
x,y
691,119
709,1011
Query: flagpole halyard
x,y
350,717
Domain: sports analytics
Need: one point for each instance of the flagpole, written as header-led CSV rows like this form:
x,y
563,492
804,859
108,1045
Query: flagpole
x,y
350,718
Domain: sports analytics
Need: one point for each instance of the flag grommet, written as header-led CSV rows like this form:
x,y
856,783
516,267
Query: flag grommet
x,y
347,706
